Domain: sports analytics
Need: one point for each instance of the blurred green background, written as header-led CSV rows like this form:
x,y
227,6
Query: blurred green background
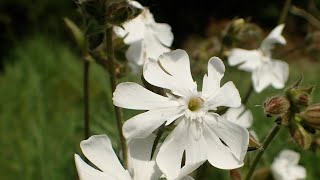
x,y
41,104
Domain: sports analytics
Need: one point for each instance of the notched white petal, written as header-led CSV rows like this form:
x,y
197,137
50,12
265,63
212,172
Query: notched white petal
x,y
134,96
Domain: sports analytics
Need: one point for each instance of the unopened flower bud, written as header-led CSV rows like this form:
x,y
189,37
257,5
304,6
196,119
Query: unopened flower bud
x,y
276,106
300,135
300,97
312,115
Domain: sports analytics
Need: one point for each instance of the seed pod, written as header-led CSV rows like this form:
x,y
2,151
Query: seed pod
x,y
276,106
300,135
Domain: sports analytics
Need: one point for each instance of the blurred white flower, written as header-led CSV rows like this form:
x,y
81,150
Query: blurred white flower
x,y
145,37
265,70
285,166
200,134
98,149
240,116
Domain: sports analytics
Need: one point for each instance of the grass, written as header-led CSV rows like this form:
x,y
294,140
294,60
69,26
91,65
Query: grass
x,y
41,111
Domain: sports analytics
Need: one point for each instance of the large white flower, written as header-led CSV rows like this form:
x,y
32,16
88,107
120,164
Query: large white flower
x,y
265,70
98,149
200,133
285,166
145,37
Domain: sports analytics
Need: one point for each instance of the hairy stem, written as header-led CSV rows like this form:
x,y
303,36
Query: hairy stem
x,y
273,132
86,67
118,112
284,12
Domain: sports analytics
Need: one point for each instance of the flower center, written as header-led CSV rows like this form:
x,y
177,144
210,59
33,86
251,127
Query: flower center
x,y
195,104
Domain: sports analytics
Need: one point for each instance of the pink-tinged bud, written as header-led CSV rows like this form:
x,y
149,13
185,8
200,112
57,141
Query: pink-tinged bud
x,y
276,106
300,135
312,115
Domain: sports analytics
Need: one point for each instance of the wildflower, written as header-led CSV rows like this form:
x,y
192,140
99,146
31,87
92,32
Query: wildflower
x,y
145,37
199,133
265,70
285,166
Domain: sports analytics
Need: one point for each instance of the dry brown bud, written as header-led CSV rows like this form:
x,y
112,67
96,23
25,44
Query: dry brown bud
x,y
312,115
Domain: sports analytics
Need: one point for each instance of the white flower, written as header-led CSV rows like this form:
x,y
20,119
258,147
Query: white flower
x,y
98,149
145,37
265,70
285,166
200,134
239,116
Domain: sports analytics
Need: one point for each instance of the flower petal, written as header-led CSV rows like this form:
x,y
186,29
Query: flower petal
x,y
135,29
98,150
228,95
172,71
230,153
133,96
211,82
281,73
142,125
87,172
248,60
153,46
135,54
170,154
239,116
140,156
273,73
163,33
290,156
273,38
234,136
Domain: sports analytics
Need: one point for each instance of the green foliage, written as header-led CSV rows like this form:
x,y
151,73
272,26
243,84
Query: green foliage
x,y
41,111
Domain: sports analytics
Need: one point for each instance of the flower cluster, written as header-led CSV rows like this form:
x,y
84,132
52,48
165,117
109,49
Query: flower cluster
x,y
210,124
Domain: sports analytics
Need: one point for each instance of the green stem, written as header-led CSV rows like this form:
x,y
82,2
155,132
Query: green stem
x,y
86,67
284,12
248,94
273,132
118,112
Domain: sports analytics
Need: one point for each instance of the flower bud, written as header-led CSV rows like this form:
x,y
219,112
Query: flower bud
x,y
312,115
300,135
300,97
276,106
